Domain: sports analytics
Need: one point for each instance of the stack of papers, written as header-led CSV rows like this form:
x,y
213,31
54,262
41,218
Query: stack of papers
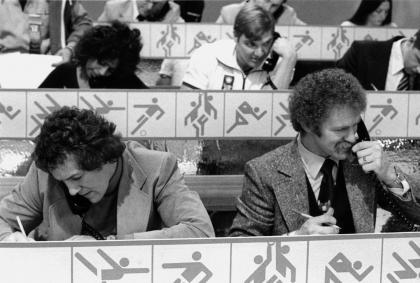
x,y
19,70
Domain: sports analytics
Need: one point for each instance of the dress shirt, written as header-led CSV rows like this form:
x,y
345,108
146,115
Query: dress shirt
x,y
312,164
396,66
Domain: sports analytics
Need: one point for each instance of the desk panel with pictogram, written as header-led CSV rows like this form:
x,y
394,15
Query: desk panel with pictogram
x,y
311,42
365,258
196,114
387,114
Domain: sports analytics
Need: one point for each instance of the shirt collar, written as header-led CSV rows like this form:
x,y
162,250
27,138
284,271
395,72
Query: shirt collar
x,y
396,60
311,161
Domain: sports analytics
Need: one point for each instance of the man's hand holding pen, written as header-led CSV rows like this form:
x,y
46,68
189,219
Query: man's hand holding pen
x,y
319,225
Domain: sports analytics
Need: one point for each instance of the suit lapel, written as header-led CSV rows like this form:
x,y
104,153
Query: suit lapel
x,y
131,197
377,67
290,187
361,194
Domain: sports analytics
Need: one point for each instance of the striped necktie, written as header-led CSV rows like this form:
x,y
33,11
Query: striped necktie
x,y
403,85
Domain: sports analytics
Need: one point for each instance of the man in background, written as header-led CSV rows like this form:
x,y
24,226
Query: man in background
x,y
385,65
63,23
235,64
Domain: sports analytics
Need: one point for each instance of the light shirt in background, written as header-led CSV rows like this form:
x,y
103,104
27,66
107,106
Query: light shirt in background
x,y
395,67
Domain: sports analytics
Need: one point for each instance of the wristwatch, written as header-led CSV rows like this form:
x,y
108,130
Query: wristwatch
x,y
400,180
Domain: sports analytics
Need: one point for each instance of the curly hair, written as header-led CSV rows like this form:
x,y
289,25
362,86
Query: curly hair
x,y
316,94
86,135
366,8
110,42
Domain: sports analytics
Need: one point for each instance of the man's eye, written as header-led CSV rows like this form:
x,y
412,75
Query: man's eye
x,y
76,178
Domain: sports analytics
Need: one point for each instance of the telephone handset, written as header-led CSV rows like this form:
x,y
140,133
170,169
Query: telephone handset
x,y
78,204
271,61
362,132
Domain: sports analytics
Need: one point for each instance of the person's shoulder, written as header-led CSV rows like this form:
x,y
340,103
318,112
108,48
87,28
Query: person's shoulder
x,y
288,9
347,24
133,82
66,69
69,66
230,8
209,50
271,158
147,157
174,14
229,12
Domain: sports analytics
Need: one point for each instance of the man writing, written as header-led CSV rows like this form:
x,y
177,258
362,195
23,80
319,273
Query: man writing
x,y
86,184
385,65
324,172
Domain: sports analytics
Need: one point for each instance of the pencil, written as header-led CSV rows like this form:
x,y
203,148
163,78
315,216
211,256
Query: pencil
x,y
20,225
307,216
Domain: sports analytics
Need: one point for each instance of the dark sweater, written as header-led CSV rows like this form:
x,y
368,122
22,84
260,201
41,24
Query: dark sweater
x,y
65,76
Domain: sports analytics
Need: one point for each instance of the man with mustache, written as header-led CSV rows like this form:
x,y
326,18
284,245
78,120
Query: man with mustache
x,y
324,181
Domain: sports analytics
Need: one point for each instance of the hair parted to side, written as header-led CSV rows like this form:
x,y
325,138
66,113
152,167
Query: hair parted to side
x,y
82,133
366,8
316,94
253,21
110,42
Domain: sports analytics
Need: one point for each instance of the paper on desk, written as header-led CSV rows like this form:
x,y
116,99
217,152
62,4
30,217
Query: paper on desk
x,y
19,70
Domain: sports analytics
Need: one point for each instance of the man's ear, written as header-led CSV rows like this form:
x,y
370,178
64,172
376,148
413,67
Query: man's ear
x,y
306,128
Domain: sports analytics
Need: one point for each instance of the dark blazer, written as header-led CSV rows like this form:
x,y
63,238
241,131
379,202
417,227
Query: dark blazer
x,y
368,61
275,183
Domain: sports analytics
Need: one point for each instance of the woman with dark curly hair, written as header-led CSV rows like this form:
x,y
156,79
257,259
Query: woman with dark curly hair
x,y
105,57
372,13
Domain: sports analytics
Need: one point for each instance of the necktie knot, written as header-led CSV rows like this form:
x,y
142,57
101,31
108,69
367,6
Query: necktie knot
x,y
327,167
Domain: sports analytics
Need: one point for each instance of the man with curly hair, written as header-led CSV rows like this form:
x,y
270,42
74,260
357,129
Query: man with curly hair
x,y
105,57
86,184
324,181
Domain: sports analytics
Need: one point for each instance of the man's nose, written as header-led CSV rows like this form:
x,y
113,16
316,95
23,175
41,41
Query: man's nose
x,y
259,51
74,189
352,136
103,70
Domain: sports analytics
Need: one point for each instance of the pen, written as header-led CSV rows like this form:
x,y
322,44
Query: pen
x,y
307,216
374,87
20,225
